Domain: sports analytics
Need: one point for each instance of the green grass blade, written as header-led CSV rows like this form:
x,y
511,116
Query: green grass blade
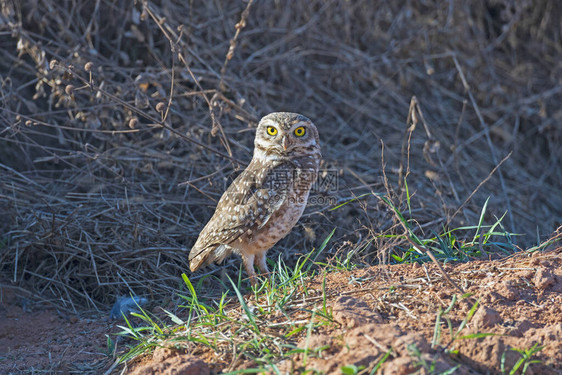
x,y
481,220
380,362
349,201
467,318
437,330
245,307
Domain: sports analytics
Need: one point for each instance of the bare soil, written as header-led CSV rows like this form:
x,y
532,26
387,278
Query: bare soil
x,y
376,309
37,337
520,299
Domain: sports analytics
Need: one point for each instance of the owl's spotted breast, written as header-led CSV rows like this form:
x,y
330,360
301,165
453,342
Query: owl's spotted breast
x,y
267,199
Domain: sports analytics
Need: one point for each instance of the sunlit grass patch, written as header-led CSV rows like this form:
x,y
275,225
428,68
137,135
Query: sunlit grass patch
x,y
261,323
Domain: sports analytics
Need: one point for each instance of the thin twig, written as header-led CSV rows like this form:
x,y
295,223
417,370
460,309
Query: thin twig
x,y
478,188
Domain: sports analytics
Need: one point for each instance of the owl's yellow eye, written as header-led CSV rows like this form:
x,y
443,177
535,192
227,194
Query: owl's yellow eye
x,y
271,130
300,131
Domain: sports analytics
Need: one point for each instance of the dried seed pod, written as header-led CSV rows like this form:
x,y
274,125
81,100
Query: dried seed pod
x,y
88,67
160,107
69,89
133,122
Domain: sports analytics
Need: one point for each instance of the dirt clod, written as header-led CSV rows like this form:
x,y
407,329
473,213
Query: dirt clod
x,y
163,353
173,365
486,317
543,279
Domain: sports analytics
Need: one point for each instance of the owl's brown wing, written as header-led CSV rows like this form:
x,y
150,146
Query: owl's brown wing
x,y
245,206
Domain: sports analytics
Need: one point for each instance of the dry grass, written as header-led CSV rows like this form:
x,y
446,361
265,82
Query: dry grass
x,y
107,174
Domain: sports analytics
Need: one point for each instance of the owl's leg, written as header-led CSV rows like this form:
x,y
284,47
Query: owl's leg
x,y
262,264
248,260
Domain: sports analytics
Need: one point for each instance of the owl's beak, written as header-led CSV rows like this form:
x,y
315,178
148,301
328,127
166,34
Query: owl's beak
x,y
285,143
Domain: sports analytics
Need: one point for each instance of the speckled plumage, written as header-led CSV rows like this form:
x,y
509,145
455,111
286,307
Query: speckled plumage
x,y
266,200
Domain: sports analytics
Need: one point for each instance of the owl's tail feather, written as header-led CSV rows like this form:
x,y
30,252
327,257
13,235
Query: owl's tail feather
x,y
196,263
197,258
201,258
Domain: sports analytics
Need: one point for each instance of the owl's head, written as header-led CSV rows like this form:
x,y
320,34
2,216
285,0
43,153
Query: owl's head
x,y
286,134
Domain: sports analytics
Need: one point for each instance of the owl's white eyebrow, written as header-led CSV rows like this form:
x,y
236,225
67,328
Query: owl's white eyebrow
x,y
270,122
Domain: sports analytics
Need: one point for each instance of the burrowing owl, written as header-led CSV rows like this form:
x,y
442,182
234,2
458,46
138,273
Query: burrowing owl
x,y
266,200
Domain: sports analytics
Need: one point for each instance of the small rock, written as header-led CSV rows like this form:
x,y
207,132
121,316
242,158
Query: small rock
x,y
508,291
73,319
543,279
486,317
